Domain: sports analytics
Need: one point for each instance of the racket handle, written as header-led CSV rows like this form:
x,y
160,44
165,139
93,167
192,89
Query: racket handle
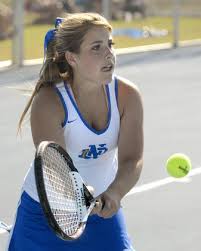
x,y
93,203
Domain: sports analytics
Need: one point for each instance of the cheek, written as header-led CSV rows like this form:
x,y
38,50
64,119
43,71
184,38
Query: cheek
x,y
92,62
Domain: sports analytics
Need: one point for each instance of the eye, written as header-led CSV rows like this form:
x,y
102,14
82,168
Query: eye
x,y
96,47
111,44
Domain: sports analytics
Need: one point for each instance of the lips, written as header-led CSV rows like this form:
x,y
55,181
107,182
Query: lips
x,y
107,68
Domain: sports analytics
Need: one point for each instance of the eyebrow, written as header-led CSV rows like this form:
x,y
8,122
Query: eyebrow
x,y
100,41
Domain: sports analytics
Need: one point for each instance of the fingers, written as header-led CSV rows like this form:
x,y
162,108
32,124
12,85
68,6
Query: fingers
x,y
98,206
107,204
109,209
110,204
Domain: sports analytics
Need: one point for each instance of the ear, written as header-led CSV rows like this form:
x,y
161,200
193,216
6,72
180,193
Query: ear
x,y
71,58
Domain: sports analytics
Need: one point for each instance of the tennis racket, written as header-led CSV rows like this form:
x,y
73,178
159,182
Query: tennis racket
x,y
64,198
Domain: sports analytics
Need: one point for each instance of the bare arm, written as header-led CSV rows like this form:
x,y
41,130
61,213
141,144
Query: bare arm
x,y
130,148
46,117
130,145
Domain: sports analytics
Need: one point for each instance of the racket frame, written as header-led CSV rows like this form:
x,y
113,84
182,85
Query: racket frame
x,y
38,170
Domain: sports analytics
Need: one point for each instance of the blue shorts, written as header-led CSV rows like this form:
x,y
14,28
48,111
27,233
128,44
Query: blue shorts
x,y
32,233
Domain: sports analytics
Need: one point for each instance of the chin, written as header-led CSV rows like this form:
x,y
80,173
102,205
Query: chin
x,y
107,78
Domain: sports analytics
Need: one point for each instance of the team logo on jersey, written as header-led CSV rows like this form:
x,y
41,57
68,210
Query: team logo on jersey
x,y
93,152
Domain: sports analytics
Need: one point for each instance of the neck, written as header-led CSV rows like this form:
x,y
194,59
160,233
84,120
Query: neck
x,y
83,88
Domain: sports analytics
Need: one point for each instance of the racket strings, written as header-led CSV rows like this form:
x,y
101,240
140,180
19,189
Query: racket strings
x,y
57,181
60,191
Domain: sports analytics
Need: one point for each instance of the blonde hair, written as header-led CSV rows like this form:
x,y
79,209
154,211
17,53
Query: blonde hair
x,y
68,37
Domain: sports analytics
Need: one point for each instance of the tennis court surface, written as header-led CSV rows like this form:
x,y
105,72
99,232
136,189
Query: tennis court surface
x,y
161,213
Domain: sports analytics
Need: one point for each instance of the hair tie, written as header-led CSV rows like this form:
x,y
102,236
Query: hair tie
x,y
49,36
58,21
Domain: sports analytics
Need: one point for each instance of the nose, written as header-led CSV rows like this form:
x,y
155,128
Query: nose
x,y
109,53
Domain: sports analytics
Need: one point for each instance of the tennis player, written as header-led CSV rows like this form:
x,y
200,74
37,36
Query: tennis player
x,y
80,103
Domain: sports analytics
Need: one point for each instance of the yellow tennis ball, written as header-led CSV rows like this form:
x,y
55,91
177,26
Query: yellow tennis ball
x,y
178,165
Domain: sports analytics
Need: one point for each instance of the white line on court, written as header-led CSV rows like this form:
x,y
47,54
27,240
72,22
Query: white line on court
x,y
158,183
155,184
3,231
25,90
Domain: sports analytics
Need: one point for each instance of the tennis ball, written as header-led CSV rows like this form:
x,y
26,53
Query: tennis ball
x,y
178,165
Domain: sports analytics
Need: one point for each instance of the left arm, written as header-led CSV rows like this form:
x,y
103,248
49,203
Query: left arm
x,y
130,149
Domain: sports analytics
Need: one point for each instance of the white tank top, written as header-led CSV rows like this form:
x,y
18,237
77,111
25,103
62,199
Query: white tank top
x,y
94,153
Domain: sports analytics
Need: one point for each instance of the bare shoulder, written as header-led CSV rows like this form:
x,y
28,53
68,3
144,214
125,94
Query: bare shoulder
x,y
46,100
129,95
45,94
46,117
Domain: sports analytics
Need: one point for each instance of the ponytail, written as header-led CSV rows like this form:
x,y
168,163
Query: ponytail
x,y
51,71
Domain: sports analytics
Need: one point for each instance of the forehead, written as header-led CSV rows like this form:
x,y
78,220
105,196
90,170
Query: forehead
x,y
96,34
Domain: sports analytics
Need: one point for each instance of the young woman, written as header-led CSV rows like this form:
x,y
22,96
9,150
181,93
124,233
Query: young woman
x,y
98,118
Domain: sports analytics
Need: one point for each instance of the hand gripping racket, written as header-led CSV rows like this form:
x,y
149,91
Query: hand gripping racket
x,y
64,198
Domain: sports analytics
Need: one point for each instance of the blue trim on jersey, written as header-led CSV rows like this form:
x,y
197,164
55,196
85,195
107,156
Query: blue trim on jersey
x,y
80,115
64,106
116,90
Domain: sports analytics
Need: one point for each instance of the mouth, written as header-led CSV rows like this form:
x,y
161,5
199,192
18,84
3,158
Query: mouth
x,y
108,68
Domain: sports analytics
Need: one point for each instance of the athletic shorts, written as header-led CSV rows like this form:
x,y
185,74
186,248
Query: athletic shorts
x,y
32,233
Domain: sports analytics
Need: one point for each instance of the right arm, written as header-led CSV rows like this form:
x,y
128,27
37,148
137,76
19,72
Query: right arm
x,y
47,115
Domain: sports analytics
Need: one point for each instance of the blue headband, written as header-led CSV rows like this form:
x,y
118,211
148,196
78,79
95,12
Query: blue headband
x,y
58,21
49,36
